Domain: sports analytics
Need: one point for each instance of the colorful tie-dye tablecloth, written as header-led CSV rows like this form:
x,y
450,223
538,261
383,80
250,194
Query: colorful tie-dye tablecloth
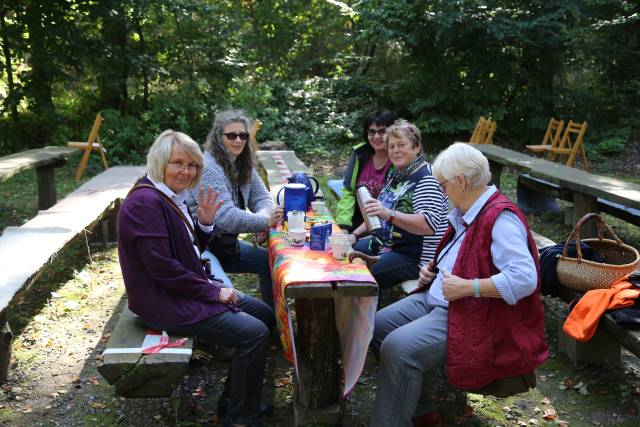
x,y
291,266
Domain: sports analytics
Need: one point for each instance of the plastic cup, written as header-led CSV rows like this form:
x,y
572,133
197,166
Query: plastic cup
x,y
296,220
318,207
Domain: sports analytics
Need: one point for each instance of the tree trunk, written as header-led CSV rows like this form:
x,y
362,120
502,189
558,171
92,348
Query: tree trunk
x,y
115,69
143,55
42,71
12,97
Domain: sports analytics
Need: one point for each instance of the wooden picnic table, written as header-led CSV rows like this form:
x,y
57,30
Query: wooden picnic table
x,y
45,160
588,191
318,397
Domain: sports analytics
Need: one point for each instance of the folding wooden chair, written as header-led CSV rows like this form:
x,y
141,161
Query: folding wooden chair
x,y
92,144
571,148
483,133
551,138
255,127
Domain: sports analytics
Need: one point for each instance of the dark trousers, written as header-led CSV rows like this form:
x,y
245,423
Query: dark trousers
x,y
248,332
392,268
252,259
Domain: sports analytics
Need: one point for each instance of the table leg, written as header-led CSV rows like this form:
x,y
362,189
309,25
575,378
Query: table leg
x,y
47,184
318,390
496,172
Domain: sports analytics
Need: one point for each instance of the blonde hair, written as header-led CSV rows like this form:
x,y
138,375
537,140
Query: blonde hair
x,y
160,153
404,129
462,159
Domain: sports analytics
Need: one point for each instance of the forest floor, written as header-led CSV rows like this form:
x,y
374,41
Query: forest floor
x,y
63,322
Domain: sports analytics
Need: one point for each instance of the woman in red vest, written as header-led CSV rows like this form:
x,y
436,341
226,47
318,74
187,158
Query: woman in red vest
x,y
480,312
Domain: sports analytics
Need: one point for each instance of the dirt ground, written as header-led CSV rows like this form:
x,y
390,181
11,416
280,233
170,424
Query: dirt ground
x,y
67,316
63,330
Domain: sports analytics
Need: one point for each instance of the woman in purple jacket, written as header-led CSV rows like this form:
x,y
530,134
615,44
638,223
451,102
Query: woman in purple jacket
x,y
159,246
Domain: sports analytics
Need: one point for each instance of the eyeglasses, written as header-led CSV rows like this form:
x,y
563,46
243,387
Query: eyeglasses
x,y
233,135
373,132
190,167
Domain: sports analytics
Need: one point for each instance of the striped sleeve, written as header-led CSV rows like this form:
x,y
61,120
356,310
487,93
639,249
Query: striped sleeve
x,y
429,200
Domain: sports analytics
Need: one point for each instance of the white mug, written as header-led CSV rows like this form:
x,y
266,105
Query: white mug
x,y
297,236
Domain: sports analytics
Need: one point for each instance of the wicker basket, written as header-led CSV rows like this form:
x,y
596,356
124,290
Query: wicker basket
x,y
584,275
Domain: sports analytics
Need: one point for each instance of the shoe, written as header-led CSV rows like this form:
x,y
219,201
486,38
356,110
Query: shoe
x,y
430,419
223,405
369,259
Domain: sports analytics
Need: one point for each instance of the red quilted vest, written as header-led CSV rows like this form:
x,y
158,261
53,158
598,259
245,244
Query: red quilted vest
x,y
488,339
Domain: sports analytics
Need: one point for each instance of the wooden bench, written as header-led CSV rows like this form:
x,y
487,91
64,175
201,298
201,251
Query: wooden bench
x,y
588,192
44,160
135,374
317,398
605,346
27,249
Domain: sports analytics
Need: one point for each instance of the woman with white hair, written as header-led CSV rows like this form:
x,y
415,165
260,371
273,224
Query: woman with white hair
x,y
479,312
159,247
229,166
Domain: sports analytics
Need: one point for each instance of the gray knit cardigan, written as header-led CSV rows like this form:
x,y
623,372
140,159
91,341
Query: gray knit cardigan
x,y
230,218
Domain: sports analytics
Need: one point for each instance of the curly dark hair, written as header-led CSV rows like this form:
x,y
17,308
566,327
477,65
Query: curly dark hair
x,y
238,172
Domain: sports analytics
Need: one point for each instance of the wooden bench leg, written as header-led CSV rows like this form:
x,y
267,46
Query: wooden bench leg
x,y
6,337
603,348
318,398
582,205
47,185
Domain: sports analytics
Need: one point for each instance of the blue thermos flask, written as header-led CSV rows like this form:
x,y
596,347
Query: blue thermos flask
x,y
295,198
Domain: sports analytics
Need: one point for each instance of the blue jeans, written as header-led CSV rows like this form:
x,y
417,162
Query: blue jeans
x,y
252,259
248,332
392,268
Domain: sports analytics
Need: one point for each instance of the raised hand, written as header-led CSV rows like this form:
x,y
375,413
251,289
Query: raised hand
x,y
208,205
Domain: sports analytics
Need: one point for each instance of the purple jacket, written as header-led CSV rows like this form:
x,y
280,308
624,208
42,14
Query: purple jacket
x,y
163,276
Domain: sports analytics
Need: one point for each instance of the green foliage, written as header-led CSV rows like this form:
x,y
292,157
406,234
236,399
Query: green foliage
x,y
311,70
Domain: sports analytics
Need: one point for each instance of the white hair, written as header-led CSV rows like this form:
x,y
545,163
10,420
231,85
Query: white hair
x,y
462,159
160,153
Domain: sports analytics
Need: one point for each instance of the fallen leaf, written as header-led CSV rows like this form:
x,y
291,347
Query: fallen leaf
x,y
199,392
93,380
550,414
98,405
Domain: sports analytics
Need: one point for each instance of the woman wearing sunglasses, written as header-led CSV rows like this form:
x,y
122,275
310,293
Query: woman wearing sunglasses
x,y
480,312
247,205
368,165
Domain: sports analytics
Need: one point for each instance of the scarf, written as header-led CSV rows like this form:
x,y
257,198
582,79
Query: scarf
x,y
401,175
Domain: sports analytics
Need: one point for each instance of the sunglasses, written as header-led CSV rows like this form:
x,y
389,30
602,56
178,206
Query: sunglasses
x,y
233,135
372,132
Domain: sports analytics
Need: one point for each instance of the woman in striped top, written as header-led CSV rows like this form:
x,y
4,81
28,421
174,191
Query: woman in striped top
x,y
412,209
